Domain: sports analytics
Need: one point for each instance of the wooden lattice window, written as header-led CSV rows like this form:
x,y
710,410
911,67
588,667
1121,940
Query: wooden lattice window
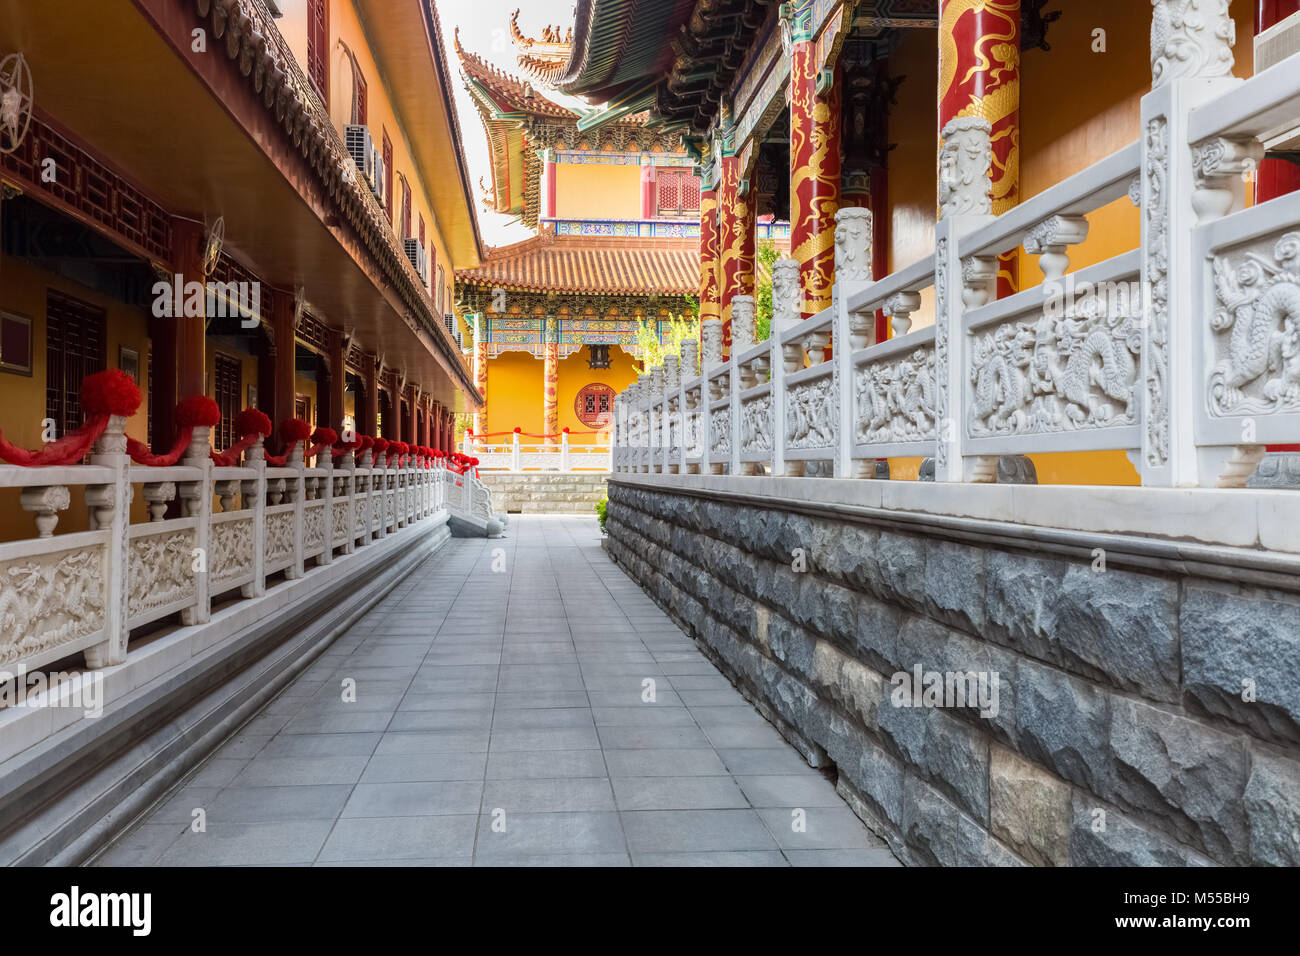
x,y
318,45
75,334
421,229
442,288
388,176
227,386
594,404
678,192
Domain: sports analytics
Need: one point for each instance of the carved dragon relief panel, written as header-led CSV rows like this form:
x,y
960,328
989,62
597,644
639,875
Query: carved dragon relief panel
x,y
49,600
340,520
313,527
756,425
895,400
720,429
1056,373
1255,359
278,536
812,410
230,549
162,571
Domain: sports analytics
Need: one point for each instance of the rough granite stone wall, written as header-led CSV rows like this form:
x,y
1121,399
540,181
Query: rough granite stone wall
x,y
1121,735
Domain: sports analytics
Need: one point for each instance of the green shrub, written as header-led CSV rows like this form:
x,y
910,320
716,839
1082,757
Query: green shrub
x,y
601,505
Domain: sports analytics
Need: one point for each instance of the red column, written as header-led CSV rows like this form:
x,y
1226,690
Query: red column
x,y
437,425
736,243
368,399
979,75
179,369
880,239
710,295
391,415
1276,177
333,387
407,406
275,369
647,191
814,170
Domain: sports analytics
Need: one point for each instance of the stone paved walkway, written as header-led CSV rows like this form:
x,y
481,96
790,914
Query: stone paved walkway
x,y
499,720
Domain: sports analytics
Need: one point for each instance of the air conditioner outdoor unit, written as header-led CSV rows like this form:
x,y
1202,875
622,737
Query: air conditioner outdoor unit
x,y
450,319
377,186
1272,46
415,252
362,149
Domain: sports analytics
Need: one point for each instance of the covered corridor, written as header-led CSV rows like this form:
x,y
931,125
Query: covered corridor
x,y
503,716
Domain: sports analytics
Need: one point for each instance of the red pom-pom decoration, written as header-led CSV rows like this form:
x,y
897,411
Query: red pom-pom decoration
x,y
324,436
295,429
111,392
197,411
565,429
380,445
253,421
518,430
364,442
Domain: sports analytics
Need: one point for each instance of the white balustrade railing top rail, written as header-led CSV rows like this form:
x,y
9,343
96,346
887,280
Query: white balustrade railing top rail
x,y
229,528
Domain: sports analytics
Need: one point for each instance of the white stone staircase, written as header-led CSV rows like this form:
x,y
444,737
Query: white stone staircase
x,y
538,492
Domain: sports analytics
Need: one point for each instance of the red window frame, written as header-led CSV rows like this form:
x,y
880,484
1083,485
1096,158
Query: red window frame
x,y
406,209
363,100
226,385
76,334
388,176
678,193
318,44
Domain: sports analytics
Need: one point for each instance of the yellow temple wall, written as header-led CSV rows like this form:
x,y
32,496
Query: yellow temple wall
x,y
585,191
514,391
575,376
23,289
344,25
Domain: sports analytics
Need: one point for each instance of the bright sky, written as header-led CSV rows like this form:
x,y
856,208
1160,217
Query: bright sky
x,y
485,30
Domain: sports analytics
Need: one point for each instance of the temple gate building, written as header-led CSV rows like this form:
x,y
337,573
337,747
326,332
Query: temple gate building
x,y
618,217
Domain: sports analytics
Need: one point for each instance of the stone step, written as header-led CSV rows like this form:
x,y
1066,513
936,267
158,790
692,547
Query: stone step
x,y
538,492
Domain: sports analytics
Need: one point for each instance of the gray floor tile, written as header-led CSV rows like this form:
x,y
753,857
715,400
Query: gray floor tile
x,y
410,799
395,838
695,831
531,834
548,794
480,692
678,793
